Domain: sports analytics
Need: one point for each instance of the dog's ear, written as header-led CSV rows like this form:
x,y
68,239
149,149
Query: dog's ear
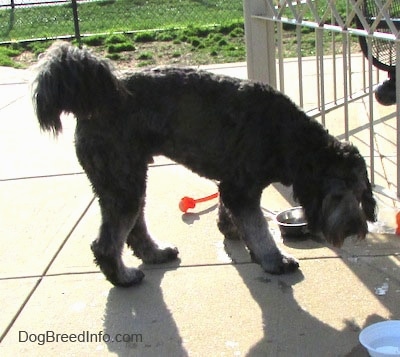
x,y
368,203
360,181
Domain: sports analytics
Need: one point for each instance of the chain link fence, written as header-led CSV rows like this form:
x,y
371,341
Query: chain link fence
x,y
29,20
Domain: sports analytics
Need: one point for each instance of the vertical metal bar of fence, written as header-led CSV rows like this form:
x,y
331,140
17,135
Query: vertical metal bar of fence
x,y
300,65
279,33
363,75
319,32
334,79
319,104
397,45
350,64
346,72
371,112
76,21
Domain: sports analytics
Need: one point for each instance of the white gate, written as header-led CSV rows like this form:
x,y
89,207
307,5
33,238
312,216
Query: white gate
x,y
338,79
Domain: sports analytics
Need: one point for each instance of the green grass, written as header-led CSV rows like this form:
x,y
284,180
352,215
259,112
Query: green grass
x,y
186,27
146,56
114,16
106,16
6,55
223,43
9,52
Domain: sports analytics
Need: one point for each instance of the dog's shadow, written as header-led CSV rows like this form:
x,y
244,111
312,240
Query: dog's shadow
x,y
191,217
141,321
285,320
301,330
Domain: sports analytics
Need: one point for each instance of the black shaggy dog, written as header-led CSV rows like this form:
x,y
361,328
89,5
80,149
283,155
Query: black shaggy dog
x,y
244,135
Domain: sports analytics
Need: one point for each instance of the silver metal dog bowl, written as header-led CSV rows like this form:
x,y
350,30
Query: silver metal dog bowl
x,y
292,222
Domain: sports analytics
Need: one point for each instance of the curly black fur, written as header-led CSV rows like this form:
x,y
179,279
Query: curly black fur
x,y
245,135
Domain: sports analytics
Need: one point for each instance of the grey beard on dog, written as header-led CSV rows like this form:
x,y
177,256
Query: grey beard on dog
x,y
242,134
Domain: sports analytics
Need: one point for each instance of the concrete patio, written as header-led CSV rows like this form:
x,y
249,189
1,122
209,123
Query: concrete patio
x,y
214,301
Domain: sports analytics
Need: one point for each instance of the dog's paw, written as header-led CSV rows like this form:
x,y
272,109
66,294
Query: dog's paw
x,y
278,263
126,278
114,269
130,277
160,255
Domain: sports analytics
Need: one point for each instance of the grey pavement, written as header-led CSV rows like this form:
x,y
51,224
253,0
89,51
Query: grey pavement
x,y
214,301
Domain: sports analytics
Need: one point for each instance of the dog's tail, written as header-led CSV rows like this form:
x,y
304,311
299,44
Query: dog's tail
x,y
73,80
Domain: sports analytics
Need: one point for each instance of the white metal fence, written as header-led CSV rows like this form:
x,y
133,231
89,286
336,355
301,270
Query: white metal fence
x,y
341,75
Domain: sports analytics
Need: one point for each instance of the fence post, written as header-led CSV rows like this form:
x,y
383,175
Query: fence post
x,y
76,21
260,42
397,46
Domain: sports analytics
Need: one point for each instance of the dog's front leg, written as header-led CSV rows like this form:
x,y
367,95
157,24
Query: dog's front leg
x,y
242,209
262,246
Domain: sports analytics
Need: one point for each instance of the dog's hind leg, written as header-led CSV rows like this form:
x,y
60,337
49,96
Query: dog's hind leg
x,y
242,206
107,248
120,184
145,248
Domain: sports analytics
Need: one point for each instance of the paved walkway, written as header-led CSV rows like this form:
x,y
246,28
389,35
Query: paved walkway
x,y
213,302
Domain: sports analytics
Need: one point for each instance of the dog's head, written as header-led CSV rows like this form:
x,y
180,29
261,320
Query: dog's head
x,y
335,192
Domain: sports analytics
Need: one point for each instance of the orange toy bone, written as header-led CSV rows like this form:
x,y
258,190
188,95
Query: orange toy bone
x,y
398,223
187,202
